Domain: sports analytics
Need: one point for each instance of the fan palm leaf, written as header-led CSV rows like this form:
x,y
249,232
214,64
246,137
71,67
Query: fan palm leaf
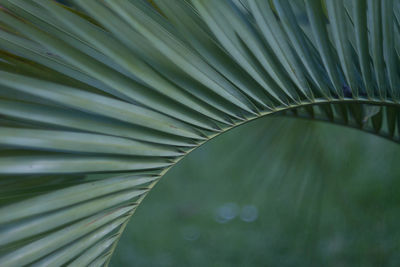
x,y
98,101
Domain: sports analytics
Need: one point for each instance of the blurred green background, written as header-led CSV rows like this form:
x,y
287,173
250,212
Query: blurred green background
x,y
273,192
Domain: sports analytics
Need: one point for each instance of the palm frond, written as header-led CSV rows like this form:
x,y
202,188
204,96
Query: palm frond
x,y
99,100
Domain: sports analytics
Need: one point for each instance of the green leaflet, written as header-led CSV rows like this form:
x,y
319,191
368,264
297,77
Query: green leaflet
x,y
55,240
375,29
71,196
70,119
361,31
79,142
322,42
67,163
338,20
88,102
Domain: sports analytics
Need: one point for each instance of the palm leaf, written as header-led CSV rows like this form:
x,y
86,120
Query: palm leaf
x,y
98,101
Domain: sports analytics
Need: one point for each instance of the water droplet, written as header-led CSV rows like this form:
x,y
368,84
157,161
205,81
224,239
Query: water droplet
x,y
249,213
226,212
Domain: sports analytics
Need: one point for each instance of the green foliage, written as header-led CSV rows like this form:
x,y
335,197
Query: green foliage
x,y
330,202
98,101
